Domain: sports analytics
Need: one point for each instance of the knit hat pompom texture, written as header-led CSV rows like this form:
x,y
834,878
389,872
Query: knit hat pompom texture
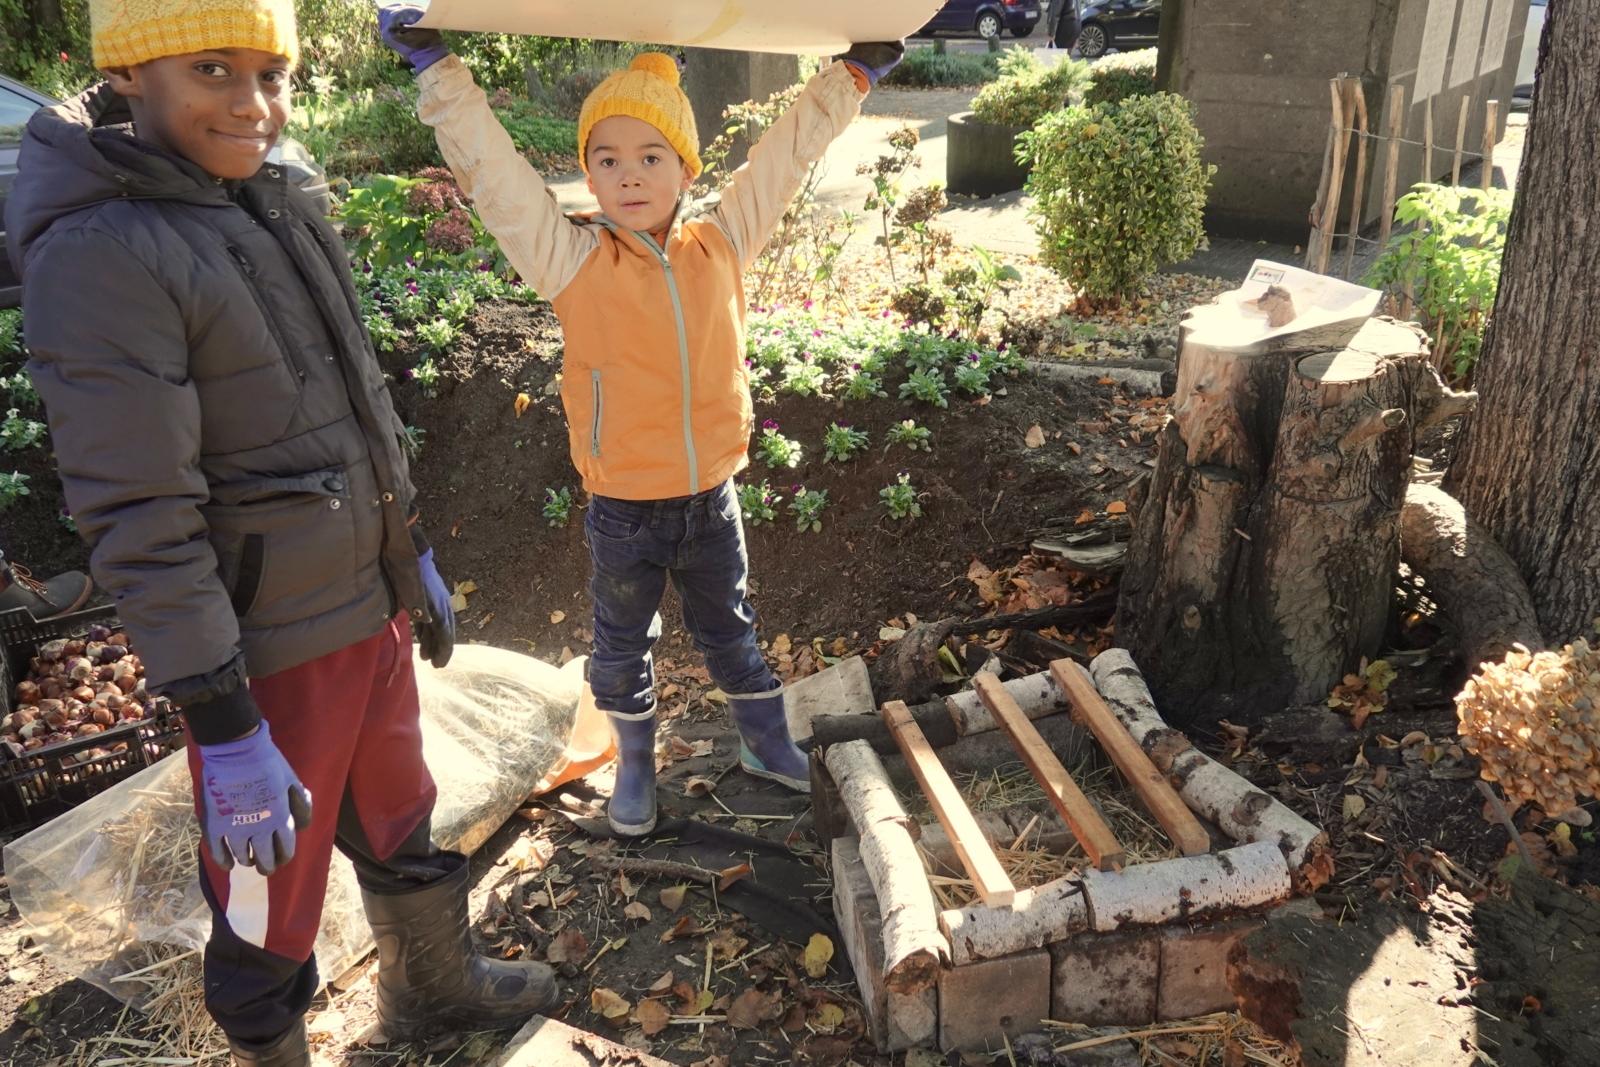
x,y
648,91
129,32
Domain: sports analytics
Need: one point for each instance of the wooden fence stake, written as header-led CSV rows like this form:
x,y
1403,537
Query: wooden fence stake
x,y
1341,149
1391,170
1159,798
1461,140
1358,97
972,848
1099,843
1427,140
1491,133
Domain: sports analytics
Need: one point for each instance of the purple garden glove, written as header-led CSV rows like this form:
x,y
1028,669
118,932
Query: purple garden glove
x,y
422,48
437,639
875,60
253,802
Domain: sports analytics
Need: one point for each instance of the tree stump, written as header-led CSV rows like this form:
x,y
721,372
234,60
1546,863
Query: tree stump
x,y
1263,559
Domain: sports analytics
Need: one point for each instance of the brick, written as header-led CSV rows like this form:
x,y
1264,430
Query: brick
x,y
1194,968
897,1022
982,1003
1106,979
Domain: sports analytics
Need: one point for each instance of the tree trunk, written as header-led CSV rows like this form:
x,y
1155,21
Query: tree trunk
x,y
1529,464
1263,559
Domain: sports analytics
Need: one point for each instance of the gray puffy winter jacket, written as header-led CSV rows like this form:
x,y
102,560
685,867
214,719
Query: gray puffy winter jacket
x,y
222,428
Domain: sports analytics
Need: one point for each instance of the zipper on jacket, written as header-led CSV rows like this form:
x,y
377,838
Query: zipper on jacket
x,y
274,327
594,429
683,358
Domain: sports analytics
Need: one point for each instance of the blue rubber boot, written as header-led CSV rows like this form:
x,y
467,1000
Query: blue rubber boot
x,y
765,748
632,810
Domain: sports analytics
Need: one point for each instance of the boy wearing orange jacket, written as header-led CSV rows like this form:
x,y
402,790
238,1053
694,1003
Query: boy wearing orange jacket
x,y
650,296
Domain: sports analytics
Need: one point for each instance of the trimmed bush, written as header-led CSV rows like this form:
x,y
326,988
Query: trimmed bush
x,y
927,68
1118,77
1028,95
1118,191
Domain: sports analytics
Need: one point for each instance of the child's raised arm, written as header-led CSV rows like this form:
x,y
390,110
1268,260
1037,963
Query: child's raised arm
x,y
538,240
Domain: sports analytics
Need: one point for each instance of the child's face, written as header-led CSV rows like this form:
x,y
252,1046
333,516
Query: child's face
x,y
634,174
221,110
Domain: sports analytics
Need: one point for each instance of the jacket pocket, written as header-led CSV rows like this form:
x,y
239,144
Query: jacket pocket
x,y
294,540
598,400
248,271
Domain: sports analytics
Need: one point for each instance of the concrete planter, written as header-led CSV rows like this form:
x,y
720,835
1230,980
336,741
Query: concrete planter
x,y
981,159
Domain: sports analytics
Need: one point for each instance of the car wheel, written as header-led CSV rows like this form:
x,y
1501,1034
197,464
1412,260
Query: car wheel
x,y
988,25
1092,41
1024,31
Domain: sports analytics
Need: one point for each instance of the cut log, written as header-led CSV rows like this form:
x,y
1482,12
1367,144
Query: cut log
x,y
1158,797
913,947
977,857
1238,809
1472,579
1099,843
1262,562
1035,694
1188,889
1037,917
1443,988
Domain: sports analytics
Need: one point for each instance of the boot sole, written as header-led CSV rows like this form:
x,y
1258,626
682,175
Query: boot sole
x,y
631,829
799,785
433,1027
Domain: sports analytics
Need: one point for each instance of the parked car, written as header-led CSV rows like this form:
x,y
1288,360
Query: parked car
x,y
1119,24
1529,63
17,105
986,18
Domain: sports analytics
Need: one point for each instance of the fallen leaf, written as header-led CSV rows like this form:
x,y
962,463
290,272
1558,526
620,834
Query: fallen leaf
x,y
1077,449
729,875
609,1003
521,403
726,945
1085,517
1353,806
557,617
637,910
652,1017
686,926
891,633
458,599
751,1009
819,950
698,787
625,886
663,985
569,946
672,897
1034,438
781,644
1117,507
828,1017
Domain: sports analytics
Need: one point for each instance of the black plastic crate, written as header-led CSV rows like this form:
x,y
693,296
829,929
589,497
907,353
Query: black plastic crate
x,y
44,783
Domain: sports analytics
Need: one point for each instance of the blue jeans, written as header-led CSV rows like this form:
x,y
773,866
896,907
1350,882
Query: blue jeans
x,y
634,546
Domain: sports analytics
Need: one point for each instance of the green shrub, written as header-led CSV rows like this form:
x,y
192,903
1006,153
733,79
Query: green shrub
x,y
1115,78
361,132
1448,257
926,68
1118,191
1025,97
532,130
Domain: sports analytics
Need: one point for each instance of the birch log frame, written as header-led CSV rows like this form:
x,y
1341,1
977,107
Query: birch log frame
x,y
1037,917
1035,694
1238,809
914,949
1187,889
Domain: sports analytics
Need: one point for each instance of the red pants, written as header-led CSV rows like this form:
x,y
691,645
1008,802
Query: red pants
x,y
348,723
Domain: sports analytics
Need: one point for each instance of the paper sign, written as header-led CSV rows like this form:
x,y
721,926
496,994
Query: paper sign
x,y
807,27
1237,320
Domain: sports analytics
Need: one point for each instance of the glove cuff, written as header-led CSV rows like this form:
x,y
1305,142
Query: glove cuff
x,y
226,712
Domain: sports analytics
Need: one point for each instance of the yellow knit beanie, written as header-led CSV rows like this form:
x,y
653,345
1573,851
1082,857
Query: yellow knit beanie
x,y
648,91
129,32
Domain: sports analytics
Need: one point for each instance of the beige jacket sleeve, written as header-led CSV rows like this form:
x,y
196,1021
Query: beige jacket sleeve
x,y
754,200
545,246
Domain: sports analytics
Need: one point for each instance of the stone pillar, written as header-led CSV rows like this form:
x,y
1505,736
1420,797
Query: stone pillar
x,y
715,78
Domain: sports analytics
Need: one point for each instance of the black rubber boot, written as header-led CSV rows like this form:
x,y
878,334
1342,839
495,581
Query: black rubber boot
x,y
430,979
45,600
290,1050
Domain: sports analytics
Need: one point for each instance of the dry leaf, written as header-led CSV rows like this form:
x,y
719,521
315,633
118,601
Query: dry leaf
x,y
782,644
672,897
1034,437
726,945
1117,507
698,787
458,599
751,1009
686,926
1085,517
819,950
729,875
1353,806
521,403
637,910
652,1017
569,946
663,985
1077,449
609,1003
625,886
828,1017
557,617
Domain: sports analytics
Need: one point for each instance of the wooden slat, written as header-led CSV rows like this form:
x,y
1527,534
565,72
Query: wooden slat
x,y
1341,149
1427,140
1391,170
1160,799
1101,845
972,848
1357,95
1491,133
1461,139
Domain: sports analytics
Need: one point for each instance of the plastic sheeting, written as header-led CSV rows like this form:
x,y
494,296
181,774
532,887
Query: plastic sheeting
x,y
109,890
